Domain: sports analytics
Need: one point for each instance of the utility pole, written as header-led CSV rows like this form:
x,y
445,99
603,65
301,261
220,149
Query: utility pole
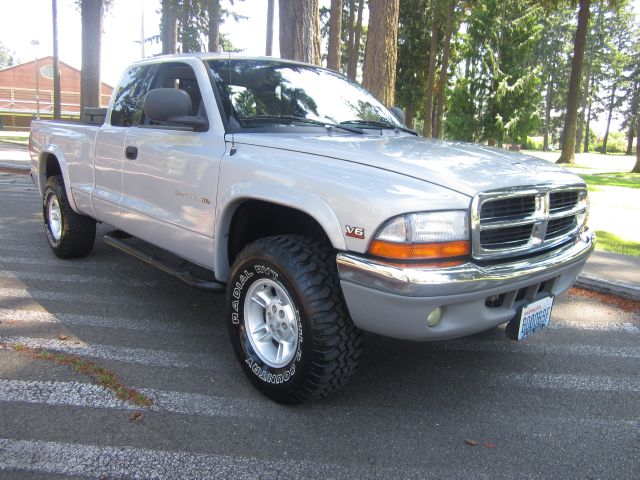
x,y
142,53
56,62
269,47
35,44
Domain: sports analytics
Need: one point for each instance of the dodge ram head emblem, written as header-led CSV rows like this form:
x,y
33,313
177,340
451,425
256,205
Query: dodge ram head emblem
x,y
355,232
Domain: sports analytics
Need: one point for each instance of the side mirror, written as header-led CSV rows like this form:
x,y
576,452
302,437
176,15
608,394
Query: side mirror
x,y
173,107
398,113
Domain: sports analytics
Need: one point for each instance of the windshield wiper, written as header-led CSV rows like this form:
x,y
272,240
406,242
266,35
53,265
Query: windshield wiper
x,y
377,124
292,118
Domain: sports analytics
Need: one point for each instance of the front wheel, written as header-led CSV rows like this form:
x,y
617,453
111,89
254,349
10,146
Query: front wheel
x,y
69,234
289,325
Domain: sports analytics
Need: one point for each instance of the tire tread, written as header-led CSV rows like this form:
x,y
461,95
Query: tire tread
x,y
337,342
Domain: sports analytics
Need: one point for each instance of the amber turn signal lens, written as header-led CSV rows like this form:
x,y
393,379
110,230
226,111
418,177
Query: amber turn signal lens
x,y
419,251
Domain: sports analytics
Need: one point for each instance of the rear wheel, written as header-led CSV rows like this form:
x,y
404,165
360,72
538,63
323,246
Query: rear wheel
x,y
289,325
69,233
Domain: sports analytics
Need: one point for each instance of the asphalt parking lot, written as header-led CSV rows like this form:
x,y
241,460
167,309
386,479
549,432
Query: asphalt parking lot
x,y
564,403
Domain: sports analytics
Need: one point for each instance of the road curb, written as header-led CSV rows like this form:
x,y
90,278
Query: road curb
x,y
603,285
7,168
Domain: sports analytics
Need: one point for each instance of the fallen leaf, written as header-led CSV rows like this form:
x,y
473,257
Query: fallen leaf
x,y
473,443
489,445
136,416
62,337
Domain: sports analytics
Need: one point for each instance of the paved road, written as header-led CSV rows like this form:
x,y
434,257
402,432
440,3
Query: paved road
x,y
563,404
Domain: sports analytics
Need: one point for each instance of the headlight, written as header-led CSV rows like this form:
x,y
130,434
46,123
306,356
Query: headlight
x,y
583,204
423,236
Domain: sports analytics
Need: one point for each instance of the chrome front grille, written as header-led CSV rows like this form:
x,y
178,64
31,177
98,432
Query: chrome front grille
x,y
519,221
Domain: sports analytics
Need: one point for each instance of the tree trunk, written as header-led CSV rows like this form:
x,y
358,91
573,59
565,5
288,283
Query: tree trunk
x,y
570,120
299,30
169,27
585,98
587,130
354,54
632,118
184,35
335,35
636,168
444,69
381,52
316,37
409,115
427,130
213,7
56,62
630,135
611,105
580,123
269,46
351,38
91,13
547,115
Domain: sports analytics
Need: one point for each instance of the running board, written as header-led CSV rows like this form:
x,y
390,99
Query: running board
x,y
115,239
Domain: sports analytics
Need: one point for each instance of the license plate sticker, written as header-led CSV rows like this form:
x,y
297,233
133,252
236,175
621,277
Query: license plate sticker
x,y
534,317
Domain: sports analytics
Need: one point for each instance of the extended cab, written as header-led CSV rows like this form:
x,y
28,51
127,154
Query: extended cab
x,y
317,211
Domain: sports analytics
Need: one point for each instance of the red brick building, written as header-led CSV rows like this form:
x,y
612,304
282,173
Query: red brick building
x,y
18,92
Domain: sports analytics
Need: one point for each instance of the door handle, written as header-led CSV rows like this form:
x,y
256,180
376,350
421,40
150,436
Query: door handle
x,y
131,153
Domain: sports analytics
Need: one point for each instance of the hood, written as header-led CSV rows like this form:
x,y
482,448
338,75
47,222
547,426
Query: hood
x,y
465,167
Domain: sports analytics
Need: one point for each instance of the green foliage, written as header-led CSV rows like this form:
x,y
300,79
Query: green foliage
x,y
460,122
193,25
413,53
226,45
7,57
617,143
552,53
500,95
533,144
593,140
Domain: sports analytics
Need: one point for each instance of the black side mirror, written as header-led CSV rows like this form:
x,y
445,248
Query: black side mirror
x,y
398,113
172,107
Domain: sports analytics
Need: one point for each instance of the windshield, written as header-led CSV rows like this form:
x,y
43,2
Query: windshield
x,y
259,93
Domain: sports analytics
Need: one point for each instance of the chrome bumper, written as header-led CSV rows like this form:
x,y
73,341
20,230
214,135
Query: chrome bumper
x,y
395,301
465,278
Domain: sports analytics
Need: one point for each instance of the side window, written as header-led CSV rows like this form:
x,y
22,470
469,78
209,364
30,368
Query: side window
x,y
181,76
127,106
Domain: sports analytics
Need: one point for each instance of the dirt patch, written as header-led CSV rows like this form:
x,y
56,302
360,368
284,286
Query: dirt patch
x,y
631,306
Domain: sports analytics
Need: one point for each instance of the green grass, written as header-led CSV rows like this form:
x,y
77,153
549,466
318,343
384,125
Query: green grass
x,y
15,139
614,179
612,243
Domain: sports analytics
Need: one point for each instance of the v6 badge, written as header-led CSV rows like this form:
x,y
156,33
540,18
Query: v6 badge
x,y
355,232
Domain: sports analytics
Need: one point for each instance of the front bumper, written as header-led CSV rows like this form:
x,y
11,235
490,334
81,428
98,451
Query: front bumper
x,y
395,300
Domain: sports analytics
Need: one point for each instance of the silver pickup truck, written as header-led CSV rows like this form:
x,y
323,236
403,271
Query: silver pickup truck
x,y
316,210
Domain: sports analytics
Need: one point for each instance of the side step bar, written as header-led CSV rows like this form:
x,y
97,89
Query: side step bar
x,y
114,239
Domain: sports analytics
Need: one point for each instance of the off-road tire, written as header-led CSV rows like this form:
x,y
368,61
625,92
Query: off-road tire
x,y
77,232
329,345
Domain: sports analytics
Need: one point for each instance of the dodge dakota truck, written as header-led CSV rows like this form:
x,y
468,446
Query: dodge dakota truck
x,y
314,208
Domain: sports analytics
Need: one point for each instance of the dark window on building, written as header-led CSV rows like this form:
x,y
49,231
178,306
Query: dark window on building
x,y
127,106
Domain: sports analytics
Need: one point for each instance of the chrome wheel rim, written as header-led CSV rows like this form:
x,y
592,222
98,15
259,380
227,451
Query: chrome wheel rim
x,y
54,217
270,323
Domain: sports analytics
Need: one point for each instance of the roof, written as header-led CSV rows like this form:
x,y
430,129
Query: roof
x,y
44,61
220,56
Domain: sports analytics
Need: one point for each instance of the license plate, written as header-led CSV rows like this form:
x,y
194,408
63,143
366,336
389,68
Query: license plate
x,y
533,317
